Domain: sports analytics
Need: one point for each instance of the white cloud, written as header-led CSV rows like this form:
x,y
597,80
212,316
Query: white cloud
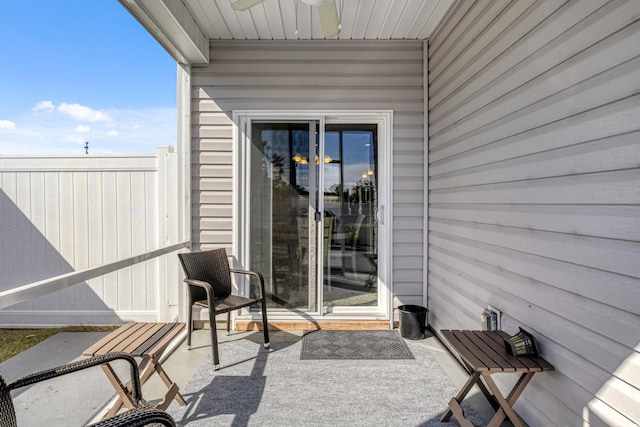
x,y
7,124
82,128
44,106
75,139
81,112
138,131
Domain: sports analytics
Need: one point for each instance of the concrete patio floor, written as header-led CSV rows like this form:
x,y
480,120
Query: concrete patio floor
x,y
180,364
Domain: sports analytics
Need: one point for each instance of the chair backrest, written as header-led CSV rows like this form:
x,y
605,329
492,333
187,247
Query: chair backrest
x,y
211,267
7,411
303,233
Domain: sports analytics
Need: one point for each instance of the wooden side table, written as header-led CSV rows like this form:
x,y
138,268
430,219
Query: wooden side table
x,y
483,354
147,341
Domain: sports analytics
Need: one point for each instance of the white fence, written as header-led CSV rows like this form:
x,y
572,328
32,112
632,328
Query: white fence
x,y
76,217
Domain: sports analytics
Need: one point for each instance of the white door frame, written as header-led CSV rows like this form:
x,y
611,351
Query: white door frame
x,y
241,138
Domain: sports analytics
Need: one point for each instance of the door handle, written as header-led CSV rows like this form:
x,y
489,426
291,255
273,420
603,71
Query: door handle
x,y
380,214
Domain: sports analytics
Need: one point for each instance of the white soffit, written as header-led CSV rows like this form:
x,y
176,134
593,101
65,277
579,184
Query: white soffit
x,y
360,19
184,27
172,24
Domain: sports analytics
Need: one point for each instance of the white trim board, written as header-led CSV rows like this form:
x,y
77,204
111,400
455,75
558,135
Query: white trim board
x,y
384,120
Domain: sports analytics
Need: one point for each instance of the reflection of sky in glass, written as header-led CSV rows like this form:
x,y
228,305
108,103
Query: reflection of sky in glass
x,y
301,148
301,143
357,149
332,145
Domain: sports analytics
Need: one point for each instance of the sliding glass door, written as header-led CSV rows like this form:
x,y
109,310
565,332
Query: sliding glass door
x,y
312,210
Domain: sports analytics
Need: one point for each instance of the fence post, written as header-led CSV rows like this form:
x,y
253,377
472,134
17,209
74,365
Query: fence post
x,y
168,232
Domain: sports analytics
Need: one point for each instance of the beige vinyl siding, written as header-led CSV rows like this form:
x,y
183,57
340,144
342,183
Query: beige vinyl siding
x,y
312,75
534,192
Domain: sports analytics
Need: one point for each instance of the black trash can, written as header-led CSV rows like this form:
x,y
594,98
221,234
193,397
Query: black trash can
x,y
413,321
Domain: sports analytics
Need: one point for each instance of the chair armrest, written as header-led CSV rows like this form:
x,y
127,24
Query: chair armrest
x,y
202,284
255,274
138,417
84,364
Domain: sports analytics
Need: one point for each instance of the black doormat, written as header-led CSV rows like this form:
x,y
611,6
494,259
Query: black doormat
x,y
370,345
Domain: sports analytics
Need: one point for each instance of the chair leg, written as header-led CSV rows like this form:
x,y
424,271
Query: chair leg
x,y
214,341
228,323
265,323
189,326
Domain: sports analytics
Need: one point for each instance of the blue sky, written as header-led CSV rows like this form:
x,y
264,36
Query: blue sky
x,y
82,70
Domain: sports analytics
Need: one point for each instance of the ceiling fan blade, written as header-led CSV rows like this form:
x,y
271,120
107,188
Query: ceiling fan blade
x,y
244,4
329,23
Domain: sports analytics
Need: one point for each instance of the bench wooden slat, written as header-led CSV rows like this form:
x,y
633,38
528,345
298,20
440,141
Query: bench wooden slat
x,y
484,351
150,345
99,347
126,339
546,366
162,344
459,347
497,356
471,346
532,362
496,340
145,331
529,363
140,339
121,339
497,348
151,339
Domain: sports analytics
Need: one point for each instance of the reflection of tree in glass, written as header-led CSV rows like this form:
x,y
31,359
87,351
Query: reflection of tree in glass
x,y
275,176
335,189
276,161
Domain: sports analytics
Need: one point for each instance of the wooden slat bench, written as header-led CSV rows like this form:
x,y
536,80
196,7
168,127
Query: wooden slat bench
x,y
147,341
483,354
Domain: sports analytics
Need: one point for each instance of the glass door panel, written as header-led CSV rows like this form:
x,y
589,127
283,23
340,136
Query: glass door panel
x,y
281,188
350,204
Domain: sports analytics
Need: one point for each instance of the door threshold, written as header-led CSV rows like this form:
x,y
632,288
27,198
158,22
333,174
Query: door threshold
x,y
303,325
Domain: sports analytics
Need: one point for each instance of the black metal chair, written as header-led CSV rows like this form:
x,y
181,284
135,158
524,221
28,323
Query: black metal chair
x,y
208,277
141,415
